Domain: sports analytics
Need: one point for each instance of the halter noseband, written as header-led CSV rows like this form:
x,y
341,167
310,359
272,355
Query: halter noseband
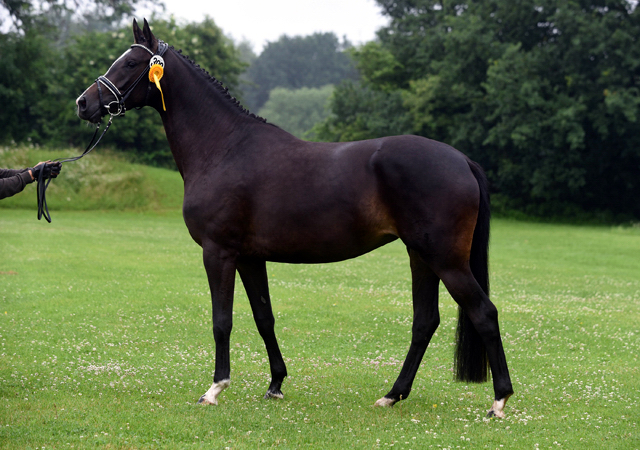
x,y
121,97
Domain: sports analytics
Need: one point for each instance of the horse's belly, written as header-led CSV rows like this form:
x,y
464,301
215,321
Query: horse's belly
x,y
314,251
322,236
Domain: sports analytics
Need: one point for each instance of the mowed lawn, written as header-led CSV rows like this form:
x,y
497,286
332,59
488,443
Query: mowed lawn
x,y
106,342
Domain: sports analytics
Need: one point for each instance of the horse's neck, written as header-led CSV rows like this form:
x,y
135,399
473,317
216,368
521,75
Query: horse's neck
x,y
200,123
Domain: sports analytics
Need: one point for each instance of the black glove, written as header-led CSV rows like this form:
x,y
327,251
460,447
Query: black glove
x,y
48,169
52,169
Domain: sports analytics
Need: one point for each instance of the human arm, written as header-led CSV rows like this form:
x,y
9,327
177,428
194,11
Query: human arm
x,y
13,181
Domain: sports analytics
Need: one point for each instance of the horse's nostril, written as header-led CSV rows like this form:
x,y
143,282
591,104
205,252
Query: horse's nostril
x,y
81,102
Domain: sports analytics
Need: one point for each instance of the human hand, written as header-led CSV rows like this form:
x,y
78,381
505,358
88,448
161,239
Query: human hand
x,y
49,169
52,169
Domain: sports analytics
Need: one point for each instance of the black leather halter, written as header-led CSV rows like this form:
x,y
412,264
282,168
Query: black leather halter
x,y
116,108
121,98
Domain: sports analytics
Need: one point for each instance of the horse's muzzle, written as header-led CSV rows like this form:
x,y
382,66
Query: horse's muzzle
x,y
85,112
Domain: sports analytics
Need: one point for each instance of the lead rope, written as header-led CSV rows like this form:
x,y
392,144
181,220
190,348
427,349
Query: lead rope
x,y
43,183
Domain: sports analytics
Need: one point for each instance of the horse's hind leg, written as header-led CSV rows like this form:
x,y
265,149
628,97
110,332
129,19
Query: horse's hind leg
x,y
254,277
466,291
426,319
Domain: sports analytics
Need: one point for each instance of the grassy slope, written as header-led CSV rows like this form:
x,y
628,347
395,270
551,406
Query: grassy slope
x,y
100,180
105,341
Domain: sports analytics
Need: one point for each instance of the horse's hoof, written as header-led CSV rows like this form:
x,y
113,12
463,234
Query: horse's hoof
x,y
274,394
211,396
204,401
385,401
498,407
498,414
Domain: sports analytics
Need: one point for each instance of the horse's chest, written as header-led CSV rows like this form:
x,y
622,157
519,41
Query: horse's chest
x,y
220,218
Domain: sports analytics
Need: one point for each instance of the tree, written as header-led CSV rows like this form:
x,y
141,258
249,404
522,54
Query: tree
x,y
26,14
297,110
544,95
352,115
23,79
565,113
295,62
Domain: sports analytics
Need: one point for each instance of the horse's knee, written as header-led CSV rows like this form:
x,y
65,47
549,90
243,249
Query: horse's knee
x,y
221,331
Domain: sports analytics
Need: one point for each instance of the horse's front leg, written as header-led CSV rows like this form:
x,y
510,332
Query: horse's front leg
x,y
220,265
254,277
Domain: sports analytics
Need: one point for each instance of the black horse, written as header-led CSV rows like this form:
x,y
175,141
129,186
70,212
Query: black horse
x,y
255,193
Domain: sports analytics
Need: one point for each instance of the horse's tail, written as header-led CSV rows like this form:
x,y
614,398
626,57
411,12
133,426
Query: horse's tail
x,y
471,361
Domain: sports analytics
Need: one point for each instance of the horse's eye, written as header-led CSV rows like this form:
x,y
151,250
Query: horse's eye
x,y
131,63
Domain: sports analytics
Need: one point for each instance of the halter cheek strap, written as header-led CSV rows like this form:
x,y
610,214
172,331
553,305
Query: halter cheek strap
x,y
116,108
118,102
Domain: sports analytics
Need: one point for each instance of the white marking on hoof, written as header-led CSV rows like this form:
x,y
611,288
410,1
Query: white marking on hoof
x,y
279,395
211,396
384,401
497,408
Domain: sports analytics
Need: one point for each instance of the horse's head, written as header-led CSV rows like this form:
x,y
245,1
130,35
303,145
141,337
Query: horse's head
x,y
126,84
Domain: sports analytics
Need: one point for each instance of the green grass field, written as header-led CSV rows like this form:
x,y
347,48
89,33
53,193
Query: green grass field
x,y
105,342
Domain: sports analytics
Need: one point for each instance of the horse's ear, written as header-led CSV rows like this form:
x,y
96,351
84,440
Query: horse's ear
x,y
138,36
145,36
152,43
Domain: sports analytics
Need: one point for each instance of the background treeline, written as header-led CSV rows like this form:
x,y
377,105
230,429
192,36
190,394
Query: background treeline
x,y
544,94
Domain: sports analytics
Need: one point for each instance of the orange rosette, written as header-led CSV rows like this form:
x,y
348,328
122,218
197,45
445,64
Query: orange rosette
x,y
155,74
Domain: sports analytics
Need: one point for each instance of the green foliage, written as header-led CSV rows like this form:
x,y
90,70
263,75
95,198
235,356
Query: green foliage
x,y
40,83
295,62
61,14
205,43
23,79
544,95
557,131
352,118
297,110
378,66
105,342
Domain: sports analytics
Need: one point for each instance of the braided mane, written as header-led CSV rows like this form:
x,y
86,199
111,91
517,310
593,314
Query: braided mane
x,y
221,88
